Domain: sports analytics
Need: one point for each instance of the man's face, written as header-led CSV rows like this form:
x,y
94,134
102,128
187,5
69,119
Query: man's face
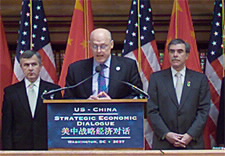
x,y
31,68
178,56
101,46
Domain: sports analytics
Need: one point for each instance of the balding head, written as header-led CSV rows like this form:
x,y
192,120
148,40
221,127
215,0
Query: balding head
x,y
101,44
101,33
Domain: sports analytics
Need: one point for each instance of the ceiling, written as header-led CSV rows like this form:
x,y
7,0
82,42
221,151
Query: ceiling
x,y
112,14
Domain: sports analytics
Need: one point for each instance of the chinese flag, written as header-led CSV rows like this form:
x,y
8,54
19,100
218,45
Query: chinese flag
x,y
5,66
181,26
77,44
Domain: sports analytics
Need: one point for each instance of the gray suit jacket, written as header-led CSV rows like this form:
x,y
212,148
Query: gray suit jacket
x,y
127,72
167,115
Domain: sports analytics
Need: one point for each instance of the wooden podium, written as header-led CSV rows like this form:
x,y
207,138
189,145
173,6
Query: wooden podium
x,y
96,124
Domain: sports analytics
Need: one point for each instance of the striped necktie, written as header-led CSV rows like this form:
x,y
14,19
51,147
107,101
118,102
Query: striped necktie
x,y
101,80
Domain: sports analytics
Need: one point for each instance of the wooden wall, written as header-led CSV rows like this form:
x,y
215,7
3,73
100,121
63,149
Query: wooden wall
x,y
111,14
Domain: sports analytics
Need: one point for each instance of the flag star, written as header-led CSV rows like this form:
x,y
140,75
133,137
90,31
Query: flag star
x,y
35,26
127,31
131,12
134,3
139,15
142,37
42,38
21,51
217,24
23,42
142,6
133,34
36,17
219,14
216,33
214,43
38,7
136,24
125,41
212,52
44,29
24,33
147,19
144,28
45,19
26,23
150,9
153,32
131,43
34,36
32,45
129,22
28,14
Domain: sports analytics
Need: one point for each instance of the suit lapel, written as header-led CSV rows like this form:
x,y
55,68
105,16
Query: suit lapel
x,y
88,69
114,75
39,99
186,87
168,82
23,98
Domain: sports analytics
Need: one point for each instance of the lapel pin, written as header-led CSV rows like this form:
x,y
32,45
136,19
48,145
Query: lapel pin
x,y
189,83
117,68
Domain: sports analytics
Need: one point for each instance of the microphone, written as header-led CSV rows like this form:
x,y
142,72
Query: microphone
x,y
98,69
135,88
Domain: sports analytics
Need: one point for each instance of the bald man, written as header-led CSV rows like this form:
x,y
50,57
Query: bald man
x,y
114,70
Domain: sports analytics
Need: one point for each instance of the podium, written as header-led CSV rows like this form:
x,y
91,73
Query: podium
x,y
96,124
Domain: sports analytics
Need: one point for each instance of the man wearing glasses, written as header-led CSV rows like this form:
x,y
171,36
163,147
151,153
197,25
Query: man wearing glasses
x,y
108,72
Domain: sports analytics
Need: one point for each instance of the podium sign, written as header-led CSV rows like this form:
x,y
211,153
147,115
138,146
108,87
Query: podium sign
x,y
95,124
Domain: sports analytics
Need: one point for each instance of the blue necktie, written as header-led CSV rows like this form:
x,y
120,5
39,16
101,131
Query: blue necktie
x,y
101,80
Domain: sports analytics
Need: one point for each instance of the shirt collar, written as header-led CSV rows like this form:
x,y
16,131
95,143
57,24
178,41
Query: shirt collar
x,y
182,71
37,82
107,62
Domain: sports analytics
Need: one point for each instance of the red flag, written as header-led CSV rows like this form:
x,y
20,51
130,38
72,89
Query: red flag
x,y
34,35
5,65
78,41
215,72
181,26
140,45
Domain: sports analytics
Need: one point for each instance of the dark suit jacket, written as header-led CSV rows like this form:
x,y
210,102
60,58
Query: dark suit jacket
x,y
221,118
127,72
167,115
19,130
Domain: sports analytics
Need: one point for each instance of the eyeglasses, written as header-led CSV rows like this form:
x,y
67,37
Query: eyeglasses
x,y
102,47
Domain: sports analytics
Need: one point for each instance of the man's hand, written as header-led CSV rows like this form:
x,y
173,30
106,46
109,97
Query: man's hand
x,y
173,137
100,96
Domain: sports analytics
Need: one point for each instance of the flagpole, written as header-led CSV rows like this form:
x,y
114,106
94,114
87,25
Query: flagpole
x,y
176,18
139,33
31,24
86,28
223,36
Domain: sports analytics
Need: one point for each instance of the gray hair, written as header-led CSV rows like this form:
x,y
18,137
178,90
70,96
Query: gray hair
x,y
30,53
180,41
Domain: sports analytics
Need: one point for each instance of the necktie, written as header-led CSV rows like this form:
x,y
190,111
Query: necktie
x,y
101,80
179,86
32,98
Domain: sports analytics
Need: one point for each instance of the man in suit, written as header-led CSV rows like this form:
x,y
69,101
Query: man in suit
x,y
24,121
221,118
179,102
115,69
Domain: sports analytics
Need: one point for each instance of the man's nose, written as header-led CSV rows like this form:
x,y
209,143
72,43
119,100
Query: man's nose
x,y
30,67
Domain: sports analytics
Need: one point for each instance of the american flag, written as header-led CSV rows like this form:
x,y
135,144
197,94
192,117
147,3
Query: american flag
x,y
34,34
214,71
140,45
